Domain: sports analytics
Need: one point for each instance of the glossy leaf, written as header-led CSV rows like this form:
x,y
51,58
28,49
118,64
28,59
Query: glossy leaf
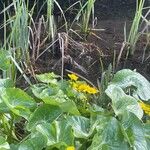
x,y
58,133
48,78
43,114
37,142
70,107
81,126
50,95
109,137
135,133
122,102
126,78
18,101
4,83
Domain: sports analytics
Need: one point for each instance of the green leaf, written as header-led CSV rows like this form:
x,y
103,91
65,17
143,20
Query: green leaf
x,y
81,126
127,78
95,109
4,144
14,146
147,134
50,95
3,106
48,78
6,83
122,102
17,97
58,133
43,114
135,133
37,142
18,101
109,137
4,60
70,107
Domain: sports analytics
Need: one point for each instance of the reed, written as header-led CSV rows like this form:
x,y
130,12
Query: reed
x,y
16,41
134,33
87,12
146,32
50,20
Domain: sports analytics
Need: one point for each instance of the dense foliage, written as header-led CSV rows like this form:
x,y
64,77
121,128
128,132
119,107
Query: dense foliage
x,y
66,114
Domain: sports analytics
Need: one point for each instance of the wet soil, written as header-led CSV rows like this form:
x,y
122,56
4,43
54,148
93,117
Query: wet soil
x,y
83,57
87,57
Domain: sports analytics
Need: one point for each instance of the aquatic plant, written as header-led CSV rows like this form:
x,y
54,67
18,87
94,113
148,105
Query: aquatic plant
x,y
87,12
52,114
16,42
134,33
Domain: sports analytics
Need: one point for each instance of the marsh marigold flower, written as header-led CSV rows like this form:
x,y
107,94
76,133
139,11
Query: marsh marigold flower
x,y
70,148
83,87
145,107
73,77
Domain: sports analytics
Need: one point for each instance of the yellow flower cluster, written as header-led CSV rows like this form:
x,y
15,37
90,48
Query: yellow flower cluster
x,y
70,148
73,77
81,87
145,107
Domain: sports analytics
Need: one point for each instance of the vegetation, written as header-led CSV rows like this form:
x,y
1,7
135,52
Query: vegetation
x,y
134,32
57,112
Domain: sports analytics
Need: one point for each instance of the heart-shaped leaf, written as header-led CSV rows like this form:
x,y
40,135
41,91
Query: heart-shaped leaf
x,y
18,101
43,114
122,102
127,78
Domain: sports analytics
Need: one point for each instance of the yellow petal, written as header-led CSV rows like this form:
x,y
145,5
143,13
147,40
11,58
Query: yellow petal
x,y
70,148
73,77
145,107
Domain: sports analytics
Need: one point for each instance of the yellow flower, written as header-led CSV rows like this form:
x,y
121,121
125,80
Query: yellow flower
x,y
145,107
73,77
92,90
83,87
88,89
70,148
